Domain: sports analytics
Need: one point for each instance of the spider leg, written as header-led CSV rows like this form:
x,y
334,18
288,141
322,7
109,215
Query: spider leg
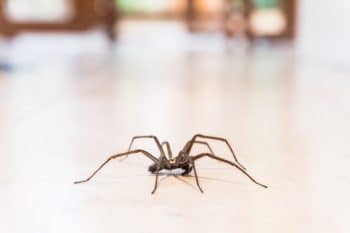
x,y
147,154
203,143
146,136
228,162
157,174
195,174
189,146
170,153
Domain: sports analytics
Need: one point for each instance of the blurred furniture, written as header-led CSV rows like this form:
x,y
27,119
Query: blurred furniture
x,y
204,15
86,14
236,18
273,19
191,15
246,16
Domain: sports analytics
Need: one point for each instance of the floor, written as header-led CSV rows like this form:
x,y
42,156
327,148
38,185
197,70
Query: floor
x,y
71,101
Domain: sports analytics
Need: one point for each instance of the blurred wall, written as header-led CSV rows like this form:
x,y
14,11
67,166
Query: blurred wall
x,y
324,30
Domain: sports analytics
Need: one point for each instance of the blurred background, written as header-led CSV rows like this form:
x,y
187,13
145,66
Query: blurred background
x,y
318,33
79,78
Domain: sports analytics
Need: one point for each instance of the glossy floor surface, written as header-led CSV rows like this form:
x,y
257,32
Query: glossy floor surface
x,y
70,101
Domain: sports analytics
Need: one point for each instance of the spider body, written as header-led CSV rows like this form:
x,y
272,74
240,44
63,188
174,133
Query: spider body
x,y
176,163
184,160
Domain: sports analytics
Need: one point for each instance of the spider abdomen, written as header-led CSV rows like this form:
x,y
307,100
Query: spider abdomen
x,y
185,167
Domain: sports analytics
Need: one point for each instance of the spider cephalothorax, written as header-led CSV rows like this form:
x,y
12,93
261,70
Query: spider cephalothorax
x,y
184,160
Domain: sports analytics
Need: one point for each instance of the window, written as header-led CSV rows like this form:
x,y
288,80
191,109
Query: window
x,y
151,7
38,10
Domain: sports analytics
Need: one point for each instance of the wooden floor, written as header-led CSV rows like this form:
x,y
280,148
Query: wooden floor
x,y
71,101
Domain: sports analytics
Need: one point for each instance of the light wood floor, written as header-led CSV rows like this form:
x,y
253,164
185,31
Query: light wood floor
x,y
63,110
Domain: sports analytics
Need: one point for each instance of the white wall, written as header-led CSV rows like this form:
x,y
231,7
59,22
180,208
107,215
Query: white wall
x,y
324,31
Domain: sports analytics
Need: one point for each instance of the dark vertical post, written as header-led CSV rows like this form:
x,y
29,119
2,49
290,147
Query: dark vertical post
x,y
191,15
290,9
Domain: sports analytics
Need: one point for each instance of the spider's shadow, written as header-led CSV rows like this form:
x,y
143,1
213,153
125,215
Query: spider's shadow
x,y
166,175
177,175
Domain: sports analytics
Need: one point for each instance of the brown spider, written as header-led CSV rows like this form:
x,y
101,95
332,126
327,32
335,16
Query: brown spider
x,y
183,160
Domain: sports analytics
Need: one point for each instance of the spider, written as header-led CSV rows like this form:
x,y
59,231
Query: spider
x,y
183,160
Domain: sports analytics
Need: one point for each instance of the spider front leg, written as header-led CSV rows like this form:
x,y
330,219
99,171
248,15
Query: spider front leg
x,y
147,136
200,142
167,144
147,154
159,167
194,158
195,174
193,140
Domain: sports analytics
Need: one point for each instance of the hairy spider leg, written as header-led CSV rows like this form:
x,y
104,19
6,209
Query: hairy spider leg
x,y
195,174
147,154
157,173
156,140
167,144
202,143
188,147
230,163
